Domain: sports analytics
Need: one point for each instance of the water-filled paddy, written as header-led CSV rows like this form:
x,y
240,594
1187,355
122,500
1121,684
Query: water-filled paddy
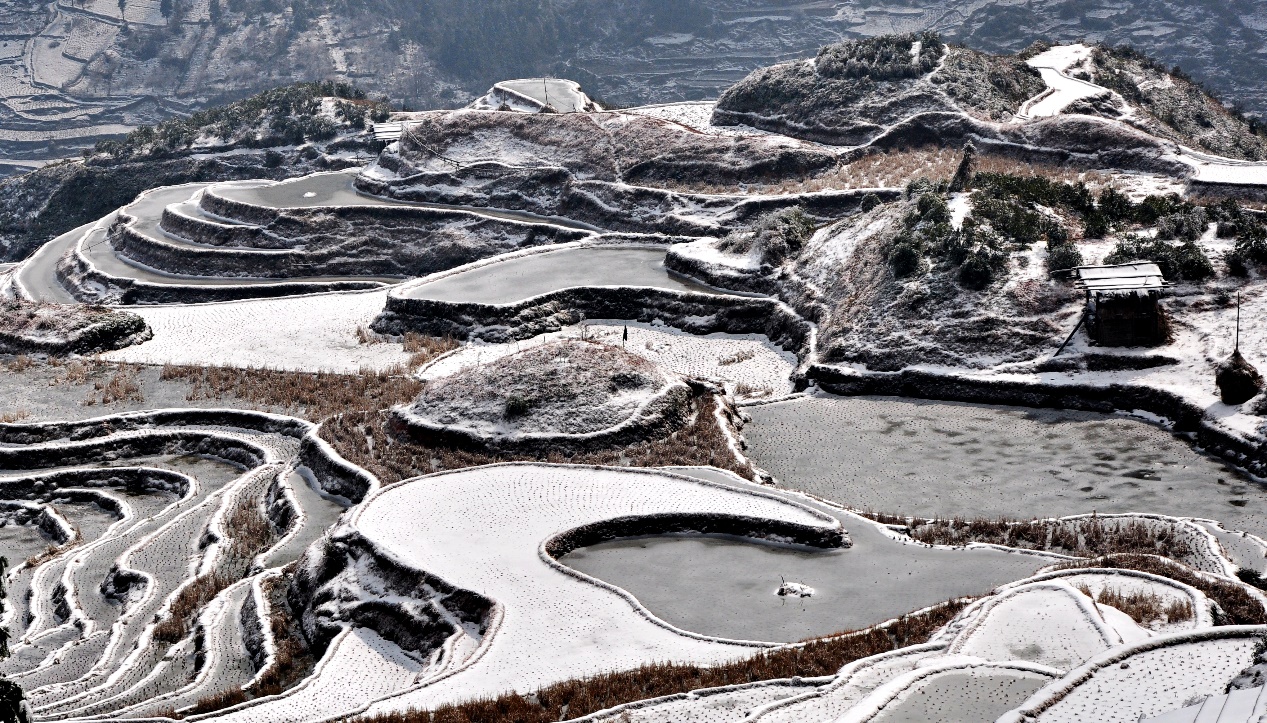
x,y
524,277
726,586
943,459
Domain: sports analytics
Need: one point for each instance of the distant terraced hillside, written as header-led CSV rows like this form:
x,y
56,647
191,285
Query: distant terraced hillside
x,y
74,71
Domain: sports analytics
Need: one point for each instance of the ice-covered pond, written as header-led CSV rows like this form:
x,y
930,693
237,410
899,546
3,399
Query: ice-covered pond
x,y
943,459
524,277
923,458
727,587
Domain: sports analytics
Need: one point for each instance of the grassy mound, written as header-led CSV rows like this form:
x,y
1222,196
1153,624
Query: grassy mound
x,y
569,387
63,329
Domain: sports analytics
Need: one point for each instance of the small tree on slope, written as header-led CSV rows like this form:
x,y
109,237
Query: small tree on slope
x,y
13,707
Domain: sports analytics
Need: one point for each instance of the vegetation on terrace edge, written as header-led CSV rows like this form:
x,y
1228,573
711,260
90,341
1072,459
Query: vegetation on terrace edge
x,y
576,698
1084,537
1011,213
64,328
1099,542
1236,605
285,116
263,131
1179,107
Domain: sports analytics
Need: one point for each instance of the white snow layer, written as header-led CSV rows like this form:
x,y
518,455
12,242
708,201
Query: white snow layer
x,y
484,531
300,333
1064,90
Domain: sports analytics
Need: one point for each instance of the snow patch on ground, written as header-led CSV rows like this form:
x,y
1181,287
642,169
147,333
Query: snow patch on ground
x,y
300,333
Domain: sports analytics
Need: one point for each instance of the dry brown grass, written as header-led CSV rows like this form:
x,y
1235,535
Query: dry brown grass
x,y
73,373
739,356
292,660
216,701
314,396
191,599
121,386
20,363
14,416
1081,538
575,698
1145,608
250,533
895,169
1238,606
363,440
49,553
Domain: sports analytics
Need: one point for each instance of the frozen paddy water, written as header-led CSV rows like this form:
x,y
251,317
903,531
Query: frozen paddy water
x,y
524,277
726,586
929,458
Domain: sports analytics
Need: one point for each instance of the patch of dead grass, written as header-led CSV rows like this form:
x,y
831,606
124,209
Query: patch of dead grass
x,y
362,439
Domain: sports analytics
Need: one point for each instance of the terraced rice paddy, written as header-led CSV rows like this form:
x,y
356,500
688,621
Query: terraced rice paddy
x,y
524,277
941,459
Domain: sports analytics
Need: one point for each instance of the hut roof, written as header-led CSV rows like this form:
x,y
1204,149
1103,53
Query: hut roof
x,y
1138,276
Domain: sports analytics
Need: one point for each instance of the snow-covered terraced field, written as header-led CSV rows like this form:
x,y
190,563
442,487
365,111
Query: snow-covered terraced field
x,y
316,332
85,639
945,459
753,365
530,275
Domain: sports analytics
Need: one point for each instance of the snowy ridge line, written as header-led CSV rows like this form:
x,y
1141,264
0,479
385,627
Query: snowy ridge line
x,y
217,613
109,431
874,704
134,444
653,419
306,682
76,271
595,241
128,667
38,610
722,412
334,474
216,533
1200,603
1052,693
283,511
1235,448
19,288
41,613
493,625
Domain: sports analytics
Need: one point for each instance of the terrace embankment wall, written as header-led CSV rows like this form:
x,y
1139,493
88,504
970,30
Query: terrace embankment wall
x,y
691,312
554,191
667,411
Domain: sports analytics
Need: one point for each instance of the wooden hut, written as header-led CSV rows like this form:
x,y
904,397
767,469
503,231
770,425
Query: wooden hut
x,y
1123,306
